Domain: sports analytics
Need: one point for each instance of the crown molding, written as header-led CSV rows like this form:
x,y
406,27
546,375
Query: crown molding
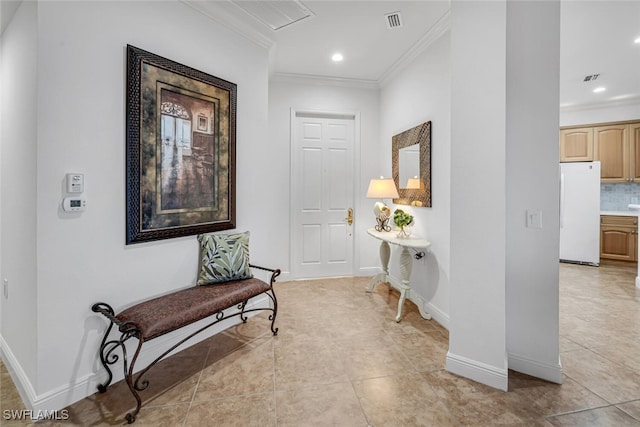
x,y
225,13
323,80
633,101
435,32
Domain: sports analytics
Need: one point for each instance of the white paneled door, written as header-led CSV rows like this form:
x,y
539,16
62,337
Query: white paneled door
x,y
322,195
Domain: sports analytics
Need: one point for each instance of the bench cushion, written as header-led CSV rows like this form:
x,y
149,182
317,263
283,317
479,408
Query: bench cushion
x,y
169,312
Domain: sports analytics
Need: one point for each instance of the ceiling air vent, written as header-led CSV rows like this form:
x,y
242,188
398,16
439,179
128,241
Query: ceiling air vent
x,y
275,14
590,78
394,20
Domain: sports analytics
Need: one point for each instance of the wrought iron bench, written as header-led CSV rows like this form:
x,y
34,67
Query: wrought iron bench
x,y
155,317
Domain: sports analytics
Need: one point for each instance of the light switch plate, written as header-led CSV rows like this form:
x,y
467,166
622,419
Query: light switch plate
x,y
534,219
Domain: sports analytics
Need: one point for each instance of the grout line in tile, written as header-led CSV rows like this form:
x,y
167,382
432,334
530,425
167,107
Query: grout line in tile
x,y
577,411
275,393
631,415
195,389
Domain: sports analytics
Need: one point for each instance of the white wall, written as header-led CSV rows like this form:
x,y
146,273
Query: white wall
x,y
286,94
82,259
477,341
18,197
504,275
420,93
533,55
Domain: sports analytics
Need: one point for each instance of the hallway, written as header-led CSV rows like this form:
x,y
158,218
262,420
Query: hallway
x,y
341,360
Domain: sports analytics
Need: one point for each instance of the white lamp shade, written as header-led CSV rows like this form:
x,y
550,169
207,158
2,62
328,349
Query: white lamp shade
x,y
382,188
413,183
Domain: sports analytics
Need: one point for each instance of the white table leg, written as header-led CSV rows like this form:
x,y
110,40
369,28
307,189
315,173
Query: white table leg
x,y
405,260
385,255
406,265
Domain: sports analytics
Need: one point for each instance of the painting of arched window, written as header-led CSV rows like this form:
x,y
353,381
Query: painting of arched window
x,y
181,126
175,125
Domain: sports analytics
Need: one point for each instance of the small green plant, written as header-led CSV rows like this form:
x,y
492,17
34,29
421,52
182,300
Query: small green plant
x,y
401,218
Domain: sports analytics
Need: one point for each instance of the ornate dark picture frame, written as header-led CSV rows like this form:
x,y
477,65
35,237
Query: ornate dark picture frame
x,y
421,136
180,152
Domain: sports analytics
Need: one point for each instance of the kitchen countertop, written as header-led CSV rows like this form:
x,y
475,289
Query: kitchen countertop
x,y
620,213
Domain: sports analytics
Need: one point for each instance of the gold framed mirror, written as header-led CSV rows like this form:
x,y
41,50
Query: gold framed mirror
x,y
411,162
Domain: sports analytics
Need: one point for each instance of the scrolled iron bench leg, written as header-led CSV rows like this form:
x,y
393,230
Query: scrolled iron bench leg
x,y
274,273
107,357
241,307
274,313
132,330
271,294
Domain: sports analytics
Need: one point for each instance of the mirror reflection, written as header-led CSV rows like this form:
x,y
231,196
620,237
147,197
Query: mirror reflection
x,y
409,163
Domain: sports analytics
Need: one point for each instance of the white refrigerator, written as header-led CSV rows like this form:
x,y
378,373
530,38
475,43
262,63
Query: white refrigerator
x,y
580,212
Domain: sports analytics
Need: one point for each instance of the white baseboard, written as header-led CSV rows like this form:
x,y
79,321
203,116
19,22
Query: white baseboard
x,y
18,375
285,276
438,315
368,271
66,394
536,369
477,371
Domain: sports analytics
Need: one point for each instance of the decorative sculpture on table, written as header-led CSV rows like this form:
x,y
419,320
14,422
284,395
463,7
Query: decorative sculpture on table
x,y
382,213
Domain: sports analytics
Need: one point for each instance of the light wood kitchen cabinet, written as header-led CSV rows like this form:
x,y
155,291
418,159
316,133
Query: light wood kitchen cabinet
x,y
615,145
634,151
576,145
618,149
619,237
611,146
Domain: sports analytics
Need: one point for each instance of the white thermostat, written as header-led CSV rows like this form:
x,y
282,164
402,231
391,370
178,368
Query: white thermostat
x,y
75,183
74,204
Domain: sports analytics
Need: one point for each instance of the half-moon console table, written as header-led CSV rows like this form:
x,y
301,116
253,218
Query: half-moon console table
x,y
406,264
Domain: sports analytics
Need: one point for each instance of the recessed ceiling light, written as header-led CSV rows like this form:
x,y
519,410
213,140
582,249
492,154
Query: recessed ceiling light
x,y
637,41
599,89
337,57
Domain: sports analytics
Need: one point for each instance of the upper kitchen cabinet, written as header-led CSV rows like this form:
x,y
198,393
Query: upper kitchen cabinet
x,y
576,145
611,146
634,148
616,145
618,149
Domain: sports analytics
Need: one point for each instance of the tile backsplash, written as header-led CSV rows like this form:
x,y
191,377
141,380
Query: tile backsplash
x,y
616,197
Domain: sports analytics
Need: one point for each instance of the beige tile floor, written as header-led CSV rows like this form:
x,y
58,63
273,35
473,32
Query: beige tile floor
x,y
341,360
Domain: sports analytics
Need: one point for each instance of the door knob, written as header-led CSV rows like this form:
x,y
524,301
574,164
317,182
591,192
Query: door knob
x,y
349,217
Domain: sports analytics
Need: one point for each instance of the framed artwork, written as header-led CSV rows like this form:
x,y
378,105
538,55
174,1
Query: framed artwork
x,y
411,165
180,149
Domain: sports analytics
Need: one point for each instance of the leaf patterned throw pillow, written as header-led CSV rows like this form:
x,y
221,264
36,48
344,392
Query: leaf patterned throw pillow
x,y
223,257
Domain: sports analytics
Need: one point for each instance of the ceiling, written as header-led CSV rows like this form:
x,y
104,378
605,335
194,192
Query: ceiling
x,y
356,29
597,37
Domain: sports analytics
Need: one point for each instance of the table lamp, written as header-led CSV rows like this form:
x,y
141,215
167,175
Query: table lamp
x,y
382,188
